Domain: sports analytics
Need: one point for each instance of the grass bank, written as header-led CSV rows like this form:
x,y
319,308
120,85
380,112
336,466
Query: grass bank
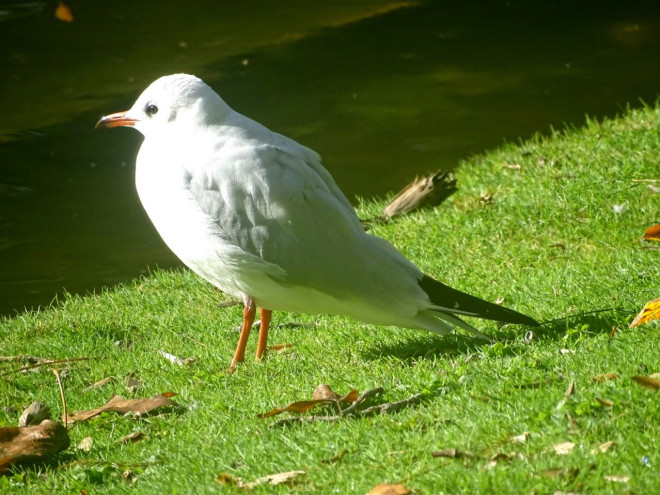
x,y
551,226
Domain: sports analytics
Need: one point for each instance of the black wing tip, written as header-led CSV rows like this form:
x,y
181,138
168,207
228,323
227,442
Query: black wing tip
x,y
464,303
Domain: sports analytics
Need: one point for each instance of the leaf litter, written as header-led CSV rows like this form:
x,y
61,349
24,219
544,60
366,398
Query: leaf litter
x,y
158,403
271,479
650,312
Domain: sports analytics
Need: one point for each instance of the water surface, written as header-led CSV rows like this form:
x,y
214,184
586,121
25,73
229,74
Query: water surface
x,y
383,90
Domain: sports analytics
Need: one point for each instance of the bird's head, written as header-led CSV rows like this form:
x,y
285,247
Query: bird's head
x,y
170,103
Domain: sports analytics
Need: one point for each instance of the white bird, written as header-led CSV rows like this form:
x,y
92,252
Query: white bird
x,y
257,215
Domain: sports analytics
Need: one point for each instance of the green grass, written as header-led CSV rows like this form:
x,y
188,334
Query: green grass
x,y
533,223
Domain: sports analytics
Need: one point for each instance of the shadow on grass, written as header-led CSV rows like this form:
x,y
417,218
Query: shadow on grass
x,y
455,344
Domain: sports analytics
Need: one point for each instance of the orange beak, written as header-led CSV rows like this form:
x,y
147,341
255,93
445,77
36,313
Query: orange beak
x,y
115,120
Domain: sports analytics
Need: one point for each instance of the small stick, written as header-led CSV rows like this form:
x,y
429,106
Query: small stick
x,y
59,382
45,363
358,402
389,407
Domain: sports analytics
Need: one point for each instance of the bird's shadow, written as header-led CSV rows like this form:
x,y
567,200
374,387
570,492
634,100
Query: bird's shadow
x,y
423,346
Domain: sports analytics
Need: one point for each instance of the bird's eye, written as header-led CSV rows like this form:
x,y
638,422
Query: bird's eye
x,y
151,109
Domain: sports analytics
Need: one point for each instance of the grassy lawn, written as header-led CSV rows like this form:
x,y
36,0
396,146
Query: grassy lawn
x,y
551,226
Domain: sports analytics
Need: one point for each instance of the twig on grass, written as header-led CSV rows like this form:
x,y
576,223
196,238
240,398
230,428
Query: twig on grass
x,y
45,363
354,411
59,383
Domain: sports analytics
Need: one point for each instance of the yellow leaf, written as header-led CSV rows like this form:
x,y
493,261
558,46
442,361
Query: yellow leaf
x,y
63,12
650,312
653,233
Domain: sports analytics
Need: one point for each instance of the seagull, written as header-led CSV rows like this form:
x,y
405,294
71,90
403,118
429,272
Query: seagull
x,y
258,216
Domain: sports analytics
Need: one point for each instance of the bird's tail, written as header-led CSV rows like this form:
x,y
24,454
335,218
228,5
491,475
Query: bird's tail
x,y
451,302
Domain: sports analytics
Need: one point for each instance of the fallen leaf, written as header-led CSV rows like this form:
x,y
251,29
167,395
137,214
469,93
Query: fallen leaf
x,y
388,489
512,166
322,395
63,12
650,312
280,347
566,351
570,389
605,377
602,448
647,382
273,479
86,444
324,392
605,402
617,479
34,414
31,443
134,437
522,438
653,189
120,405
177,360
653,233
564,448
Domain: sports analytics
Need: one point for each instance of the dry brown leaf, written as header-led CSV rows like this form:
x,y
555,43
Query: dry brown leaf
x,y
273,479
120,405
602,448
605,377
86,444
324,392
650,312
63,12
325,396
605,402
31,443
388,489
563,448
653,233
647,382
570,389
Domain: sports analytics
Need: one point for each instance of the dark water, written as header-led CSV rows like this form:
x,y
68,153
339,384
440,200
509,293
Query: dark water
x,y
383,90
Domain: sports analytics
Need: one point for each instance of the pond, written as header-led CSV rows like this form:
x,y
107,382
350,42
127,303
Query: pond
x,y
384,90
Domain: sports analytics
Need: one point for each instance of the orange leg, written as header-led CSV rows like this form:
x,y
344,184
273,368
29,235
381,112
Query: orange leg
x,y
263,332
249,311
